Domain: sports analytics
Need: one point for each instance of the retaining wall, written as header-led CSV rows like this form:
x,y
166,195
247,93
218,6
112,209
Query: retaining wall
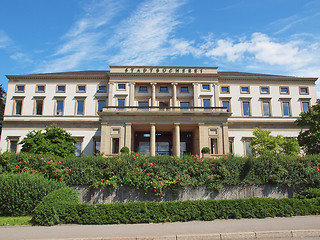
x,y
126,194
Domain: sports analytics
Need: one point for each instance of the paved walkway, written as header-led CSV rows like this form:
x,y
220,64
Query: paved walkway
x,y
293,227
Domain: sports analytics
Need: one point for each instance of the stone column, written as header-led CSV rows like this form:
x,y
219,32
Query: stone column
x,y
220,140
110,94
216,95
225,138
131,94
203,137
153,139
195,94
174,94
153,97
176,139
128,136
105,139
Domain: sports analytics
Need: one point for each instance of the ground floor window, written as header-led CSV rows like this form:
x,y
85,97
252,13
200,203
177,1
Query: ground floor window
x,y
247,148
231,145
78,146
13,144
214,146
97,144
115,145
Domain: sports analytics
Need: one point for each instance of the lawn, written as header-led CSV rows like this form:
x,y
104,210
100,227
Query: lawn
x,y
11,221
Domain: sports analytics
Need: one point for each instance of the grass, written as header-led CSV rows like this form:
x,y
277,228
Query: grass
x,y
12,221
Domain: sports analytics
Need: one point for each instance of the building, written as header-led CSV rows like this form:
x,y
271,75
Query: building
x,y
156,109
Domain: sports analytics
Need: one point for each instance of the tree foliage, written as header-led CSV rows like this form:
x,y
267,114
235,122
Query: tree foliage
x,y
2,101
54,140
310,139
265,144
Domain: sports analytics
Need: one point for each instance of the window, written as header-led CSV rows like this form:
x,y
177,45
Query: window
x,y
13,144
143,105
304,90
184,89
266,108
286,109
184,104
244,90
59,107
81,88
115,145
61,89
264,90
80,107
225,89
39,106
121,86
284,90
231,145
246,108
226,103
163,89
97,145
101,104
121,103
102,89
305,106
40,88
78,146
206,103
143,89
247,148
18,107
20,88
214,146
206,87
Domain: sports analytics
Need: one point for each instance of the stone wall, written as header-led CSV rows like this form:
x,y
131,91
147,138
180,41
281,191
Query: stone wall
x,y
126,194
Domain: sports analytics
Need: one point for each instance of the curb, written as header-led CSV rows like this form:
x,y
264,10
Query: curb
x,y
214,236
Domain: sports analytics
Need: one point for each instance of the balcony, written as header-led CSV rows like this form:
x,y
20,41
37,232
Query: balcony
x,y
137,109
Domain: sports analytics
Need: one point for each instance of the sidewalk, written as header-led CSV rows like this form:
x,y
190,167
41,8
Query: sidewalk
x,y
296,227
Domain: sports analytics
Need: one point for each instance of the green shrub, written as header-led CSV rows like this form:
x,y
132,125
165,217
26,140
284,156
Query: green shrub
x,y
125,150
205,150
20,193
308,193
205,210
46,211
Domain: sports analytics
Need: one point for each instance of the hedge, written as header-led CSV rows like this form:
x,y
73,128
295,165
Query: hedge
x,y
20,193
153,212
166,173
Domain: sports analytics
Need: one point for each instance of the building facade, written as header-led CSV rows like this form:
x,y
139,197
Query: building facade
x,y
155,109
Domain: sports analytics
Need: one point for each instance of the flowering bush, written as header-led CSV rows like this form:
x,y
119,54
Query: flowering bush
x,y
164,173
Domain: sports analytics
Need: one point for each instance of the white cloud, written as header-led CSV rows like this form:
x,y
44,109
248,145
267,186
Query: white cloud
x,y
19,56
5,41
147,36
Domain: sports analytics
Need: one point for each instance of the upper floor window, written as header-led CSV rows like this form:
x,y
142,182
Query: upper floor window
x,y
284,90
206,103
184,89
40,88
264,90
101,104
225,89
266,108
143,104
246,108
121,102
80,107
81,88
184,105
304,90
305,106
59,107
286,109
163,89
61,88
244,90
226,104
102,88
143,89
20,88
39,106
121,86
18,107
206,87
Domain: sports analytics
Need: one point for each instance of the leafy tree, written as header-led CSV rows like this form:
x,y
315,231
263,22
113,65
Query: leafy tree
x,y
2,101
310,139
54,140
265,144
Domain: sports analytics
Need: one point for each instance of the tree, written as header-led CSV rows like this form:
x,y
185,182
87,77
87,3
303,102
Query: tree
x,y
310,139
2,101
265,144
54,140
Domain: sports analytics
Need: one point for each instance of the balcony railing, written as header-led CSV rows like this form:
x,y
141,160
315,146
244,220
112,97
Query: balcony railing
x,y
164,109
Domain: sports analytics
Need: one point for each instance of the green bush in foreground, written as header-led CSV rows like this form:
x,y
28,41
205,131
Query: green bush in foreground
x,y
20,193
308,193
46,213
147,212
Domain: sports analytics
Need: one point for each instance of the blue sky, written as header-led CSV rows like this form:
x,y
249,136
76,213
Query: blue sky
x,y
263,36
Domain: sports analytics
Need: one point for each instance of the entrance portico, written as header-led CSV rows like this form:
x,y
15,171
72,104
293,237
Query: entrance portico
x,y
155,131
